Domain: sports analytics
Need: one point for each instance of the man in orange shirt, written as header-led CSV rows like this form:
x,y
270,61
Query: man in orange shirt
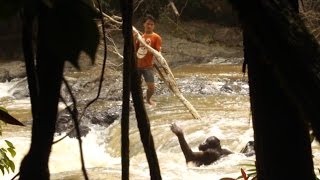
x,y
145,58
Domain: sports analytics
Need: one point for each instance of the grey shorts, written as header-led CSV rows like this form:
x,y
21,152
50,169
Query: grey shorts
x,y
147,74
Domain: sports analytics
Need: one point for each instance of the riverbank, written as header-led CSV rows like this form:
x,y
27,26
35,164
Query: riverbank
x,y
183,43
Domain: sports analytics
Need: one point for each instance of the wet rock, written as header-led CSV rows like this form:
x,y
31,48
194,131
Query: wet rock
x,y
226,88
207,89
248,150
12,70
65,124
101,113
84,130
105,118
20,89
4,75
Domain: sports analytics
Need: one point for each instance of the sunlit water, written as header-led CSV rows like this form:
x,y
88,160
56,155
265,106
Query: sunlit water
x,y
225,115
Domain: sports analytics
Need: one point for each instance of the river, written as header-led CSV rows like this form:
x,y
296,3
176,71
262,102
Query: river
x,y
221,98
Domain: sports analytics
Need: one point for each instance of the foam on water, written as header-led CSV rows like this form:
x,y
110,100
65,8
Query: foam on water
x,y
4,89
65,155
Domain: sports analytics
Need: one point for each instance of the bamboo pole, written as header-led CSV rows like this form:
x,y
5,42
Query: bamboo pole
x,y
166,74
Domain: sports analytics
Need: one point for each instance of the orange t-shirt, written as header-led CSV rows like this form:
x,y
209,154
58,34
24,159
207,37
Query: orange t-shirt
x,y
144,57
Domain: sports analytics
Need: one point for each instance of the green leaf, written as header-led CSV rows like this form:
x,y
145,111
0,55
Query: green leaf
x,y
9,8
9,144
251,174
249,165
7,168
7,118
252,170
3,151
11,165
3,109
72,29
2,169
12,152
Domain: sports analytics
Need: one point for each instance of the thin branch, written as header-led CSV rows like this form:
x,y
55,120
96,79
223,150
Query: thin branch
x,y
74,115
104,61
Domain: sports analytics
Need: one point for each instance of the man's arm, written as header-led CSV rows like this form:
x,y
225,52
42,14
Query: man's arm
x,y
135,41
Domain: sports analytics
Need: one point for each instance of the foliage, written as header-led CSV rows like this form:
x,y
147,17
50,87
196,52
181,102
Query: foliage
x,y
252,172
5,162
72,29
7,118
310,12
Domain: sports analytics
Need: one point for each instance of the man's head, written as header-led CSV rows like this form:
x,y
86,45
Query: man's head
x,y
211,142
148,24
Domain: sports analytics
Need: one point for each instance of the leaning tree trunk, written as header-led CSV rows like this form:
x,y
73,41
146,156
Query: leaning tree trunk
x,y
283,66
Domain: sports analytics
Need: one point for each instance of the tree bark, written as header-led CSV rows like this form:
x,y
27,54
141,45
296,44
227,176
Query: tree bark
x,y
136,91
128,59
44,98
282,62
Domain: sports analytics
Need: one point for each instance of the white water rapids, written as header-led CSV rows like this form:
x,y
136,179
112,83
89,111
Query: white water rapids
x,y
225,115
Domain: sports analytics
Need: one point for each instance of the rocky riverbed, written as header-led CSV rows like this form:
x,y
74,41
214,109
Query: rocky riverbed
x,y
188,43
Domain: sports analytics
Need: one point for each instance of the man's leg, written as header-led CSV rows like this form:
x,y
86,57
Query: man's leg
x,y
149,78
150,92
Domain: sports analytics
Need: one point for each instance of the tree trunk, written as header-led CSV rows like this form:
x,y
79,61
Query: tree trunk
x,y
49,76
136,91
283,87
128,60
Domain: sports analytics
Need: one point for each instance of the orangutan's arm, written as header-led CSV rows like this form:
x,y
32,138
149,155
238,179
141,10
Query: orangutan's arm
x,y
188,153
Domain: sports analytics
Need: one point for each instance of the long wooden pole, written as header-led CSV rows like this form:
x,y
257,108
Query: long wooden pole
x,y
167,73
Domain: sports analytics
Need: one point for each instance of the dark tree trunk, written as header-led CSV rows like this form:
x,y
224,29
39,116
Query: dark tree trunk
x,y
49,75
282,61
281,137
136,91
128,61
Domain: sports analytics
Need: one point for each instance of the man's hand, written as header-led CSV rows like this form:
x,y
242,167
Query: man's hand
x,y
176,129
135,34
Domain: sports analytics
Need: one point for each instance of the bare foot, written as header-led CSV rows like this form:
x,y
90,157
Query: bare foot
x,y
151,103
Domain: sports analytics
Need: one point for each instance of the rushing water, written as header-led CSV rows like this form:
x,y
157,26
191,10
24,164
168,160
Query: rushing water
x,y
225,114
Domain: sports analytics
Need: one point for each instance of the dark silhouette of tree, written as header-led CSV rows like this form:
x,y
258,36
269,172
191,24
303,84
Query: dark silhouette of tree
x,y
64,29
132,82
128,60
58,39
283,66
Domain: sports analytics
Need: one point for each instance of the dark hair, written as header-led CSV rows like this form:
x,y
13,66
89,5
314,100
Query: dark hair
x,y
149,17
211,142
